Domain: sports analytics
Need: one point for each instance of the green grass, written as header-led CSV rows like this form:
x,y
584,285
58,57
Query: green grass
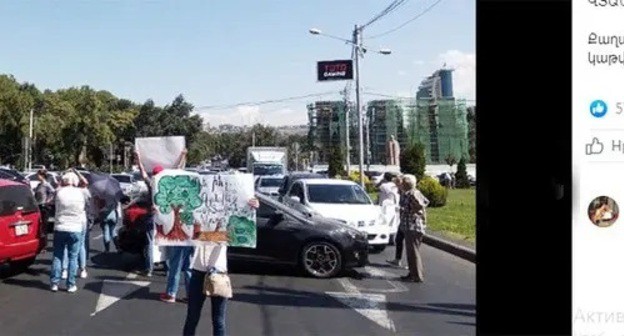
x,y
457,219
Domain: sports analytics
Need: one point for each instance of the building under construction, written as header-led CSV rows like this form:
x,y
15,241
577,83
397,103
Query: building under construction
x,y
438,120
384,120
327,128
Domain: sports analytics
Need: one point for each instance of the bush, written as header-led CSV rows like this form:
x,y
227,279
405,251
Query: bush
x,y
413,160
434,191
461,176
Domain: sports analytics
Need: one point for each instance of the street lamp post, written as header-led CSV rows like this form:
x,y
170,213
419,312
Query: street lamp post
x,y
359,50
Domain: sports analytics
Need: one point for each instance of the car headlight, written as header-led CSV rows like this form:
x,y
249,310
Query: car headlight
x,y
354,234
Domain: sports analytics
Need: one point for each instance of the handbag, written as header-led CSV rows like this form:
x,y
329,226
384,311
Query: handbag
x,y
217,283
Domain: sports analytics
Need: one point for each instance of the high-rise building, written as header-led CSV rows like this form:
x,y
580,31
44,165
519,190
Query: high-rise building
x,y
327,128
438,120
385,119
438,85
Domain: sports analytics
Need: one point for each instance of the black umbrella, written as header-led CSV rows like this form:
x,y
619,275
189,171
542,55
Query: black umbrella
x,y
104,187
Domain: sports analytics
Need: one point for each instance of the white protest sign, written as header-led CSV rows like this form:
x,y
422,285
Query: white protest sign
x,y
163,151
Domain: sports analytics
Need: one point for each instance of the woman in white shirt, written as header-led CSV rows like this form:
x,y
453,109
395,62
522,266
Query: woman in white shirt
x,y
69,225
208,258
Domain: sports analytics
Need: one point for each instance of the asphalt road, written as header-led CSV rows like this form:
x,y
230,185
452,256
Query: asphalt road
x,y
113,300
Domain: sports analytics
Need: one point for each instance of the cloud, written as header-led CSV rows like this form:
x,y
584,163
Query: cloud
x,y
402,73
464,76
418,62
249,115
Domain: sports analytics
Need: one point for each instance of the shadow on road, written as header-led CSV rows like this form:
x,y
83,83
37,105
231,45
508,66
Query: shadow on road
x,y
27,283
287,297
471,324
454,306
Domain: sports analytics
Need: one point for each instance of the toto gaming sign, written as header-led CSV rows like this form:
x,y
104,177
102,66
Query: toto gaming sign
x,y
335,70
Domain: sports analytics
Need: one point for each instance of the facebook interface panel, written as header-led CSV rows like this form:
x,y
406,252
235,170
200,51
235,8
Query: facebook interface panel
x,y
598,167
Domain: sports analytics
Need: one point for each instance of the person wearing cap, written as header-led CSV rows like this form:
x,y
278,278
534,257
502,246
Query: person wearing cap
x,y
69,225
149,219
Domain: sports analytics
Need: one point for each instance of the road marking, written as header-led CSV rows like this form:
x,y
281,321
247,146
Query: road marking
x,y
376,273
115,290
97,237
371,306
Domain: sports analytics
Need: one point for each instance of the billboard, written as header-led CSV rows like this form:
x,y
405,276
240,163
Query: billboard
x,y
334,70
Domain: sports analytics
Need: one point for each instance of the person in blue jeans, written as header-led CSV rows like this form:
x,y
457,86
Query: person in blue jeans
x,y
208,259
178,261
110,215
69,224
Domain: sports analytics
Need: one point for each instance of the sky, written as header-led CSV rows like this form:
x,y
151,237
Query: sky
x,y
222,53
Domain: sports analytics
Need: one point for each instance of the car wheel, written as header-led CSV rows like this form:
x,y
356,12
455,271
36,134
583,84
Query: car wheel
x,y
378,248
321,259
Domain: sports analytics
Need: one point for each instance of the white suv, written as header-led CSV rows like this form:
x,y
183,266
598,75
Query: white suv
x,y
343,200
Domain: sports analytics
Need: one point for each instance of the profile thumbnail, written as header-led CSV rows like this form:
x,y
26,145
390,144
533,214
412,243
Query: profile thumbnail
x,y
603,211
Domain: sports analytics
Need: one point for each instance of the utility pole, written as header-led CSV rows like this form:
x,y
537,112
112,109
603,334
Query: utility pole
x,y
356,42
347,127
30,136
253,139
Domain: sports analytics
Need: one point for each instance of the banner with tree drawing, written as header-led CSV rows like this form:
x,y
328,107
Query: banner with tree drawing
x,y
197,209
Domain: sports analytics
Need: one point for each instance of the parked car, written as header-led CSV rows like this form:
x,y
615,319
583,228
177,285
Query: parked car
x,y
22,233
343,200
269,184
291,178
33,179
126,182
13,175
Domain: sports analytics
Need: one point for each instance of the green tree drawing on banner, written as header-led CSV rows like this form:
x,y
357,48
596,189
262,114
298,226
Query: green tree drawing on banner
x,y
180,194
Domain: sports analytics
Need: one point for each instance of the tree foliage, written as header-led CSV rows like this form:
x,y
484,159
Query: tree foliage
x,y
413,160
336,167
461,176
83,124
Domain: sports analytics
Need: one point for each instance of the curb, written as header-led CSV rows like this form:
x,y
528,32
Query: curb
x,y
452,248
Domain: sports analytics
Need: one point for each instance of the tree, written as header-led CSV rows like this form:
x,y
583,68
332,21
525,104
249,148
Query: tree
x,y
179,194
336,167
413,160
472,133
461,176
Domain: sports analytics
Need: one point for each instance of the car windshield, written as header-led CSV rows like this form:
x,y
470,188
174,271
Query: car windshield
x,y
267,169
123,178
271,182
341,194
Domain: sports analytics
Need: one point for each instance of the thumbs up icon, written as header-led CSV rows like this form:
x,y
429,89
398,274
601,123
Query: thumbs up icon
x,y
598,108
595,147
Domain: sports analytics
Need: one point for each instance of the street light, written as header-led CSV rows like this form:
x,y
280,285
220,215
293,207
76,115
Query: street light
x,y
359,51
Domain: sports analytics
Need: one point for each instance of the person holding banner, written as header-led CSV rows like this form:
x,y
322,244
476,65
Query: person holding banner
x,y
207,260
149,219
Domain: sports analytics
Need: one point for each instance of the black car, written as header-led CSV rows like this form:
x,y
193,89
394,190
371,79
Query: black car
x,y
292,177
320,247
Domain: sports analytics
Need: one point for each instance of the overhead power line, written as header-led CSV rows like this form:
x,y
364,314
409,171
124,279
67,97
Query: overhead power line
x,y
263,102
408,21
404,97
392,7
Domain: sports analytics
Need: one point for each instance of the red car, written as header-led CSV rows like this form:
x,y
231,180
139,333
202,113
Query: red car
x,y
22,233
